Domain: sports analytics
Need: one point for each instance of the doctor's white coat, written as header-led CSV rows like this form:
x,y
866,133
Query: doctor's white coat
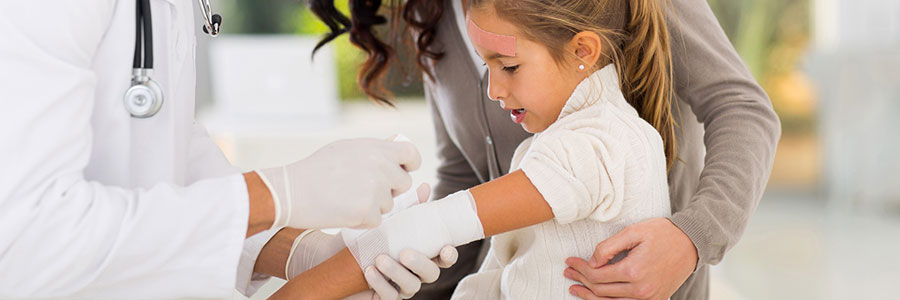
x,y
94,203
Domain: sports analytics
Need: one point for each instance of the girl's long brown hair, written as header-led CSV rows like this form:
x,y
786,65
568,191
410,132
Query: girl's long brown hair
x,y
635,39
420,16
634,33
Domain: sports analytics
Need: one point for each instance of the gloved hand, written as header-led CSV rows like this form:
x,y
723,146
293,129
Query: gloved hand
x,y
348,183
423,270
414,268
312,247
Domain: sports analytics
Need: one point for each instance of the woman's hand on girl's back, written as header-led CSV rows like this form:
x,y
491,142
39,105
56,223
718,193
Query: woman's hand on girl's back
x,y
660,259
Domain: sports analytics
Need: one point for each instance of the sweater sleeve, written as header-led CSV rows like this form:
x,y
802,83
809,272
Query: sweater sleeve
x,y
579,174
742,130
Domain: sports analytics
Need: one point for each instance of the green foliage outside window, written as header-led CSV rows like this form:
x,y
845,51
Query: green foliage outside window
x,y
772,37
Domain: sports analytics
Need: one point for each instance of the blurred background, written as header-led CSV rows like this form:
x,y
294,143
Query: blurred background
x,y
828,226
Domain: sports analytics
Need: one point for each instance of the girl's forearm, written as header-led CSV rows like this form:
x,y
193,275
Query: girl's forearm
x,y
337,278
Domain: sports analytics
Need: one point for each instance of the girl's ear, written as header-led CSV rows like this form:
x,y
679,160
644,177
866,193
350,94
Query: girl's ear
x,y
587,49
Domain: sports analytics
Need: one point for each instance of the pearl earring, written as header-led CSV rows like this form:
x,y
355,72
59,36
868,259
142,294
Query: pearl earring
x,y
581,67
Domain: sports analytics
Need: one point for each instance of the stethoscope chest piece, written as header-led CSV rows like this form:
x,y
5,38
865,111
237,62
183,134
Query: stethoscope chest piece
x,y
144,98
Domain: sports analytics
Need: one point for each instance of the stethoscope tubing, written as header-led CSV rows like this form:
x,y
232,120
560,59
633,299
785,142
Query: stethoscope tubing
x,y
145,97
143,35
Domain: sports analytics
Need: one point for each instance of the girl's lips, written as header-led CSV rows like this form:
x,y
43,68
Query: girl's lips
x,y
517,115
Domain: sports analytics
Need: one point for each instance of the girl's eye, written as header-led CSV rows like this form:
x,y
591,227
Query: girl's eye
x,y
511,69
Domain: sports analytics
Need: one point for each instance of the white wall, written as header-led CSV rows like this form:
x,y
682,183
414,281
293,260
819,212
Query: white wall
x,y
855,61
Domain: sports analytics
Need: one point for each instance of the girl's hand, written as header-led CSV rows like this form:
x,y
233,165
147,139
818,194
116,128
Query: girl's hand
x,y
661,258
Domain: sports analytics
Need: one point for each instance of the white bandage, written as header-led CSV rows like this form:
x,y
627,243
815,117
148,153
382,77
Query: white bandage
x,y
425,228
402,202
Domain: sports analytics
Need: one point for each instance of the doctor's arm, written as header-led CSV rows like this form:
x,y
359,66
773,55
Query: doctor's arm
x,y
64,235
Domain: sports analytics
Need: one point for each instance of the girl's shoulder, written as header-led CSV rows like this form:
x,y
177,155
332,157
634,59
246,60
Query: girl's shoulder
x,y
604,118
605,125
520,152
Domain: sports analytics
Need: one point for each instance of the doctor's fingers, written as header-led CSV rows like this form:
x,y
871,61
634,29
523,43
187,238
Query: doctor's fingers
x,y
369,213
371,219
406,155
397,179
427,270
447,257
383,184
423,192
383,289
406,281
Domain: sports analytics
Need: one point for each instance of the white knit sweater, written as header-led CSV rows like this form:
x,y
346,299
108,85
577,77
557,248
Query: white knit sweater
x,y
600,167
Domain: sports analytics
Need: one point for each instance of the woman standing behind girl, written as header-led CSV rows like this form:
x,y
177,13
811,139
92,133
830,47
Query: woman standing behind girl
x,y
596,92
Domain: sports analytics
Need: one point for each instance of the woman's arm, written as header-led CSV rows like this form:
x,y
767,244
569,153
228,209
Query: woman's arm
x,y
507,203
740,137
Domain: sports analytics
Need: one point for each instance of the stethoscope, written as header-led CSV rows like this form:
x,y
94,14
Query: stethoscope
x,y
145,98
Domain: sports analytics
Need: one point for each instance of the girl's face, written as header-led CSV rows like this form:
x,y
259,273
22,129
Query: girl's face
x,y
523,76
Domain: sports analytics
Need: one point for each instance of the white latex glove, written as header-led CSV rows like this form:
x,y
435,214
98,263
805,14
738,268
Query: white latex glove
x,y
413,268
314,247
348,183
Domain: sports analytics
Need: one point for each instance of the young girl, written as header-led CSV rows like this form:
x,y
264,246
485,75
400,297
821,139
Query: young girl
x,y
604,137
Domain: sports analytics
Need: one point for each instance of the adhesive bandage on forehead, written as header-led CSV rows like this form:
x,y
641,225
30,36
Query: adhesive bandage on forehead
x,y
502,44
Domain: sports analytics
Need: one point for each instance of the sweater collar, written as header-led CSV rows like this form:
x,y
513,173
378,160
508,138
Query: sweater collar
x,y
601,86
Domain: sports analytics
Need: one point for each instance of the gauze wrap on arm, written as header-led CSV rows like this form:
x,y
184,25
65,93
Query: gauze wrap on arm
x,y
402,202
425,228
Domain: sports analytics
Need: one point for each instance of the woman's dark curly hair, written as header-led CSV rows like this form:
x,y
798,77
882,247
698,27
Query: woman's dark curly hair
x,y
421,17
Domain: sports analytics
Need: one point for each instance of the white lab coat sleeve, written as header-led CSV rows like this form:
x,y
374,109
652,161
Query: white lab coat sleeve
x,y
64,236
247,281
207,160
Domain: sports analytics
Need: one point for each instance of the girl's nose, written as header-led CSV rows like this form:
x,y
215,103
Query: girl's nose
x,y
496,91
